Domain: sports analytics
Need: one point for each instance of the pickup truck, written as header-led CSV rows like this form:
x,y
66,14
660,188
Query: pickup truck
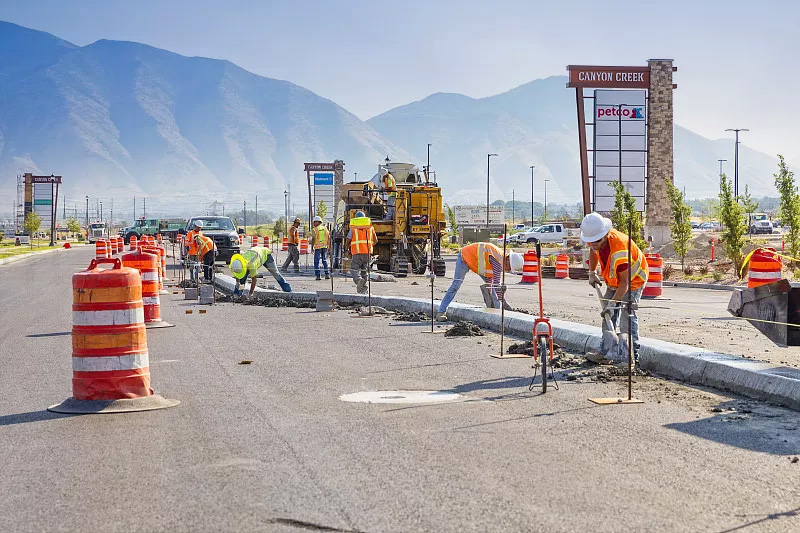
x,y
168,228
222,231
544,233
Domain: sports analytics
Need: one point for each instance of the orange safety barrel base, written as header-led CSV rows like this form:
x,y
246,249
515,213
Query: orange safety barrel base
x,y
109,345
765,267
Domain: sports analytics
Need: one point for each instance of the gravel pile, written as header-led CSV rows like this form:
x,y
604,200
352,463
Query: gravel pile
x,y
464,329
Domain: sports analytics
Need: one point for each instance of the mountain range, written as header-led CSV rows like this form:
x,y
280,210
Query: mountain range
x,y
121,118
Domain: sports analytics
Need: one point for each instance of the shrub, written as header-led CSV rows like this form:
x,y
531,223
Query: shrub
x,y
703,268
667,270
717,275
688,269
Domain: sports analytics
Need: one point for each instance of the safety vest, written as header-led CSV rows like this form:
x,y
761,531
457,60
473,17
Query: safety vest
x,y
320,237
203,245
293,236
476,257
256,257
390,184
191,243
364,237
618,255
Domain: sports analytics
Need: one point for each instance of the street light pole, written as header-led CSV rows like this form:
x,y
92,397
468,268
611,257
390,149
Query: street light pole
x,y
720,172
488,158
87,214
736,161
52,210
513,207
244,210
533,167
285,211
545,198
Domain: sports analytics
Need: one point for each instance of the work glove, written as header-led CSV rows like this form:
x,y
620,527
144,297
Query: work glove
x,y
608,310
594,279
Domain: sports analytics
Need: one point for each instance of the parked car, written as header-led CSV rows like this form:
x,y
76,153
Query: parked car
x,y
761,226
695,225
518,227
545,233
222,230
519,237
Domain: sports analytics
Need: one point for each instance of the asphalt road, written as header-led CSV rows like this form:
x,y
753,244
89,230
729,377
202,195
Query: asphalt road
x,y
270,447
698,317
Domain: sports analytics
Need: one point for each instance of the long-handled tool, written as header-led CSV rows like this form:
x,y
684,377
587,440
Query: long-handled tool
x,y
542,339
610,344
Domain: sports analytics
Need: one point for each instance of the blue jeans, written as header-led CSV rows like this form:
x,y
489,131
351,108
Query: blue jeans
x,y
636,295
273,269
320,254
458,278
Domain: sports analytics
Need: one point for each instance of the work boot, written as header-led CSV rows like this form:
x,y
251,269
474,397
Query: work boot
x,y
361,286
318,278
441,317
327,276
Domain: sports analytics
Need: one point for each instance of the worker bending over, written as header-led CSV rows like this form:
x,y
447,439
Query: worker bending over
x,y
360,240
609,251
190,249
294,241
320,240
206,254
248,263
487,261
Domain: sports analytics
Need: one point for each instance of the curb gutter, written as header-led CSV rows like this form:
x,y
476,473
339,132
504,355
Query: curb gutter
x,y
756,379
29,255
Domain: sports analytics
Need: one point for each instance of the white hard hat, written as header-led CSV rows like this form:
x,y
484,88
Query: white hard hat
x,y
198,223
516,261
317,219
594,227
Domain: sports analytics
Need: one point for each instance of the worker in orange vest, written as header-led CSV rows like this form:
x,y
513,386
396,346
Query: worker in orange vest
x,y
190,248
487,261
361,240
294,252
609,251
206,254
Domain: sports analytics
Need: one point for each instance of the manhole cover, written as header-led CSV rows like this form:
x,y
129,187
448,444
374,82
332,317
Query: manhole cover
x,y
400,396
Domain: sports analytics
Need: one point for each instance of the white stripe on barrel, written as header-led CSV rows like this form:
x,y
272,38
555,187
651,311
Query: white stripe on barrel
x,y
112,362
108,317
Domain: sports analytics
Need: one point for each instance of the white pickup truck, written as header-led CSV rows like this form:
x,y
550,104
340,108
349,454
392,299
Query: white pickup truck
x,y
544,233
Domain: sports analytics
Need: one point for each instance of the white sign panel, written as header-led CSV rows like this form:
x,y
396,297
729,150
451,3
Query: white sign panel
x,y
620,145
322,191
470,215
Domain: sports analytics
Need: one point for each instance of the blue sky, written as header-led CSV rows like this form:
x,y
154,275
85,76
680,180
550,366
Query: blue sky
x,y
736,59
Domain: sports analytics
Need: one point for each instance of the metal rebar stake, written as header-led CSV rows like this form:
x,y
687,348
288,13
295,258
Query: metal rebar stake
x,y
502,290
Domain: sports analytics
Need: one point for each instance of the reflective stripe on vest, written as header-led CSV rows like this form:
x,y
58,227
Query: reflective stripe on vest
x,y
484,267
320,237
619,254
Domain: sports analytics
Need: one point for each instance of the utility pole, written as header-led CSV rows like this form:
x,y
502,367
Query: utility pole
x,y
101,213
111,226
285,211
736,162
720,172
144,207
244,210
87,213
545,198
52,211
513,212
65,206
134,209
488,158
256,210
533,168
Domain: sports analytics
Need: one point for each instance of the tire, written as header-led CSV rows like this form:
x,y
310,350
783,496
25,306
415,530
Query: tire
x,y
531,240
128,237
544,354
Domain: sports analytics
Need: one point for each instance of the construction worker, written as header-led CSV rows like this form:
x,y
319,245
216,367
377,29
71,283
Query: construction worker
x,y
609,251
206,254
247,264
294,241
485,259
390,186
320,240
360,240
190,248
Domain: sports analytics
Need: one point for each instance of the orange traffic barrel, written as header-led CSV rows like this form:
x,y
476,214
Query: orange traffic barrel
x,y
266,240
765,266
655,278
303,246
562,266
241,239
110,361
151,248
117,244
285,244
134,243
101,250
146,261
254,241
530,267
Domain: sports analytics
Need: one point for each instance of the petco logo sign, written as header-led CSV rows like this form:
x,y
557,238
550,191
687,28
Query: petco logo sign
x,y
628,113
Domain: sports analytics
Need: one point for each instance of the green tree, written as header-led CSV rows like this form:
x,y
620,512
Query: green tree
x,y
322,209
544,216
750,206
31,224
734,224
624,209
681,224
789,210
279,228
451,219
73,226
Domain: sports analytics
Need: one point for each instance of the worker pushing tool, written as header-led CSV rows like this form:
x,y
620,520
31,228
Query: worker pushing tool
x,y
321,241
247,264
484,259
206,254
609,251
190,248
360,241
294,241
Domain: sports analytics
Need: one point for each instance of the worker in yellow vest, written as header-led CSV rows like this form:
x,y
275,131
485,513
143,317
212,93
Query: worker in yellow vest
x,y
360,240
390,186
609,251
294,242
206,254
487,261
320,240
247,264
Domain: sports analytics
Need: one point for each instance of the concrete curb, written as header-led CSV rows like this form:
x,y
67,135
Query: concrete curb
x,y
685,285
756,379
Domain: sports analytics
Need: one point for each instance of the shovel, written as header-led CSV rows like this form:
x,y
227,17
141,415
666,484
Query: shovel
x,y
609,350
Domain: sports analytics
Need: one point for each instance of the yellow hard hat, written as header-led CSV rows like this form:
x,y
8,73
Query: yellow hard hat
x,y
238,266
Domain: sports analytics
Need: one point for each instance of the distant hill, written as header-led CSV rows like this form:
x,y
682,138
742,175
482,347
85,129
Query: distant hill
x,y
535,124
122,117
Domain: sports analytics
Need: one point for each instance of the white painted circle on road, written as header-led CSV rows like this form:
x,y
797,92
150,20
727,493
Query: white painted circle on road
x,y
401,396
